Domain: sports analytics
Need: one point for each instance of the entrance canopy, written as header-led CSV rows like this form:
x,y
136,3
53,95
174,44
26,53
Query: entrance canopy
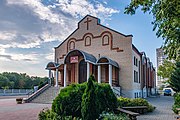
x,y
106,60
87,57
52,66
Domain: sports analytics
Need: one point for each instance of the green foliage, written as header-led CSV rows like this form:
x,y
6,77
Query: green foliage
x,y
176,103
175,78
125,102
14,80
165,70
177,99
4,82
112,116
47,114
89,109
122,102
166,14
69,101
106,99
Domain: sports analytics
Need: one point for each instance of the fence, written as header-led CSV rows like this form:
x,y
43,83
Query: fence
x,y
11,92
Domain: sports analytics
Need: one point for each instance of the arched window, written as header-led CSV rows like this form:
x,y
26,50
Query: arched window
x,y
88,41
105,40
71,45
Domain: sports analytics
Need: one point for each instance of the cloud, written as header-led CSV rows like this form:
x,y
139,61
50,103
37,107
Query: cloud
x,y
37,26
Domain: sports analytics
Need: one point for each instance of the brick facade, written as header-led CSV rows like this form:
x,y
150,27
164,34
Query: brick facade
x,y
98,40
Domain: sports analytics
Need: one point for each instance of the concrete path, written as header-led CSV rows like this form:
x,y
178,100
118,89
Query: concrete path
x,y
163,109
9,110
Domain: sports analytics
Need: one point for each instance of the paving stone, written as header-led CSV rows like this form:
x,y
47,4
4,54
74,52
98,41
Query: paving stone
x,y
163,109
9,110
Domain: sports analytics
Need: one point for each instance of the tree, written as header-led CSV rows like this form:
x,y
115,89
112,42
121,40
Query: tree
x,y
22,80
4,82
88,104
165,70
175,78
166,14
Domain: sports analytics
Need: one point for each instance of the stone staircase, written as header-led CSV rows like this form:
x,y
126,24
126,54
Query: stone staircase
x,y
47,96
117,91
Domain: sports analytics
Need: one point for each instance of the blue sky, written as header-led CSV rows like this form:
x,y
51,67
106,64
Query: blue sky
x,y
30,29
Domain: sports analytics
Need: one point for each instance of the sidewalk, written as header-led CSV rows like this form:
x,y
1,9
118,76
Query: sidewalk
x,y
9,110
163,109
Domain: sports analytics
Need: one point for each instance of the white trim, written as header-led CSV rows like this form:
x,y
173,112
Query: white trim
x,y
110,75
64,75
56,85
99,74
50,77
88,72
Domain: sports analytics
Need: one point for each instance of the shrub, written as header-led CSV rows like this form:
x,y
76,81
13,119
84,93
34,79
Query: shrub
x,y
112,116
122,102
106,99
176,103
139,102
125,102
68,102
89,104
177,99
47,114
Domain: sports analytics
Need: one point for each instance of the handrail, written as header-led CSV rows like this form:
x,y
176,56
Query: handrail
x,y
117,92
37,93
30,93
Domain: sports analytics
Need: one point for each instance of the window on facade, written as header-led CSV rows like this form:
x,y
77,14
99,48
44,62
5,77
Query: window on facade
x,y
139,71
135,61
139,94
71,45
87,41
135,76
105,40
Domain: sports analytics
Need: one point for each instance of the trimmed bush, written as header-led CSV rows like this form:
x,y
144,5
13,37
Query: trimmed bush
x,y
68,102
106,99
176,103
89,108
122,102
47,114
125,102
112,116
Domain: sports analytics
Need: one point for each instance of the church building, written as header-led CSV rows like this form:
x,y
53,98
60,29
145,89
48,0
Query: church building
x,y
107,54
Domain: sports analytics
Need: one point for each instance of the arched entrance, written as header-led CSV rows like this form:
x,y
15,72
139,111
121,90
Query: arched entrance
x,y
108,71
78,65
82,71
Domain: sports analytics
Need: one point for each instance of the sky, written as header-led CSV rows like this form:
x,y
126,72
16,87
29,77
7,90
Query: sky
x,y
30,29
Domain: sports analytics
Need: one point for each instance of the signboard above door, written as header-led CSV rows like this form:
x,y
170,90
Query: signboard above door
x,y
74,59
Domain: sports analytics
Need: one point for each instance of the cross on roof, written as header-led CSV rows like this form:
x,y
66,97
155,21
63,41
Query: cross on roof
x,y
87,21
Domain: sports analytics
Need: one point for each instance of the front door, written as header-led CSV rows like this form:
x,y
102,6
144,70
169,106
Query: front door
x,y
82,71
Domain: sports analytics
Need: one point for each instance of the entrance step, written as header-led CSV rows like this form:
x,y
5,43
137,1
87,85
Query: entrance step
x,y
47,96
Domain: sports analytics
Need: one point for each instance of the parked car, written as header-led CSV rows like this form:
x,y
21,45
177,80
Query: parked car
x,y
167,91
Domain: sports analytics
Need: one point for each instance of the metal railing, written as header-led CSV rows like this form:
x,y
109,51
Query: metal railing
x,y
37,93
11,92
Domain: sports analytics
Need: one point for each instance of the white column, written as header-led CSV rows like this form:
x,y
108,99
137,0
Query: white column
x,y
99,73
110,75
88,72
64,75
56,85
50,77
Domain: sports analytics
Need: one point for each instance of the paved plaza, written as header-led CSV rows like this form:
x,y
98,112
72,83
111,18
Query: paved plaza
x,y
9,110
163,109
